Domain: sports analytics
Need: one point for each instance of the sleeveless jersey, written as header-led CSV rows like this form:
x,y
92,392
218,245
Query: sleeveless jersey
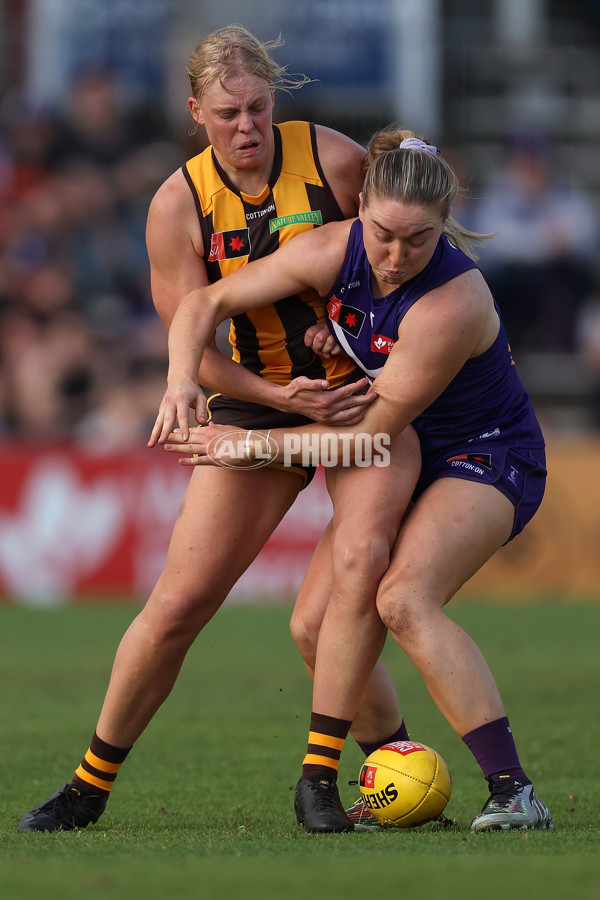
x,y
237,228
485,399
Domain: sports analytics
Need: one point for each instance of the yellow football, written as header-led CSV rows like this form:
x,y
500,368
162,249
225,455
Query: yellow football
x,y
405,784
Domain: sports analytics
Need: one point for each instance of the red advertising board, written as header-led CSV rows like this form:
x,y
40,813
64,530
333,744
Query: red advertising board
x,y
79,525
75,526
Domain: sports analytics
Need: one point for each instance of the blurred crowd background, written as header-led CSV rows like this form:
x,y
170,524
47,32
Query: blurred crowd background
x,y
93,118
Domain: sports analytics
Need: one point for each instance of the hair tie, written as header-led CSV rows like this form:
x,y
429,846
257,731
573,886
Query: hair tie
x,y
414,143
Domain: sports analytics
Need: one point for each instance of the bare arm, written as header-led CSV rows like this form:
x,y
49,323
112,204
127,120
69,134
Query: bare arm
x,y
437,336
177,267
176,254
310,261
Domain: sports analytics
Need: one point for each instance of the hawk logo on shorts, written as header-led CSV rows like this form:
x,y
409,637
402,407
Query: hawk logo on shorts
x,y
484,459
229,244
349,318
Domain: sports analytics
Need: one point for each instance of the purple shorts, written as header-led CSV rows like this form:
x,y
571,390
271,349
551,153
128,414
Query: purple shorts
x,y
519,473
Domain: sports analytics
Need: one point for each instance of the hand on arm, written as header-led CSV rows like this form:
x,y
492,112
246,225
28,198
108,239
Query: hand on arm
x,y
298,266
310,398
436,338
303,396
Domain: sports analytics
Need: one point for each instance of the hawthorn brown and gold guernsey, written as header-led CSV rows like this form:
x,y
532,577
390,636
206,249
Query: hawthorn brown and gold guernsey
x,y
238,228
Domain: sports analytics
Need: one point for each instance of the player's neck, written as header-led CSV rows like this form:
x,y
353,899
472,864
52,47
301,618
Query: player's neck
x,y
251,181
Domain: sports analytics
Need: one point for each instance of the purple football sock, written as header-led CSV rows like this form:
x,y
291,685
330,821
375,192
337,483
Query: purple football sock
x,y
493,747
368,747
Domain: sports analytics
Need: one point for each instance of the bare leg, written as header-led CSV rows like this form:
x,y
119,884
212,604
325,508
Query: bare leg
x,y
368,508
378,714
219,531
454,528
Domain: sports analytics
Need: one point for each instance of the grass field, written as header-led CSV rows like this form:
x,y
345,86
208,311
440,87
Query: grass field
x,y
203,805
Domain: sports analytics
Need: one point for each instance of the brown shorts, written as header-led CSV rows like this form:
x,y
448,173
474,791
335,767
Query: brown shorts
x,y
229,411
224,410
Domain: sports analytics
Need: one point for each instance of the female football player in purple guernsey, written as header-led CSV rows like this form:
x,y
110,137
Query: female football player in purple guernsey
x,y
407,302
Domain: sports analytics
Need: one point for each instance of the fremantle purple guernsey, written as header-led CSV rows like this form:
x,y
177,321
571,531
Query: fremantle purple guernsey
x,y
485,395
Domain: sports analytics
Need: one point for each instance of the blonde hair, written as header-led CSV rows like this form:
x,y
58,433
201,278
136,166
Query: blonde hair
x,y
233,51
420,177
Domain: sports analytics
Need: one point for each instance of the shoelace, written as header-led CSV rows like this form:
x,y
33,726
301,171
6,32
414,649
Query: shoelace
x,y
63,805
501,794
326,791
507,788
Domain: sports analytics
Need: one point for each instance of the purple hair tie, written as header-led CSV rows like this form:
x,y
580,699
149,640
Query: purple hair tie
x,y
413,143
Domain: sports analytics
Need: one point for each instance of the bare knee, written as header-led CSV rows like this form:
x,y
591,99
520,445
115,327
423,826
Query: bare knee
x,y
359,558
305,634
401,606
177,615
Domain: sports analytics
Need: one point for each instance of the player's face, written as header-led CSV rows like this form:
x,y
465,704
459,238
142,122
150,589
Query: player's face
x,y
399,241
237,116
